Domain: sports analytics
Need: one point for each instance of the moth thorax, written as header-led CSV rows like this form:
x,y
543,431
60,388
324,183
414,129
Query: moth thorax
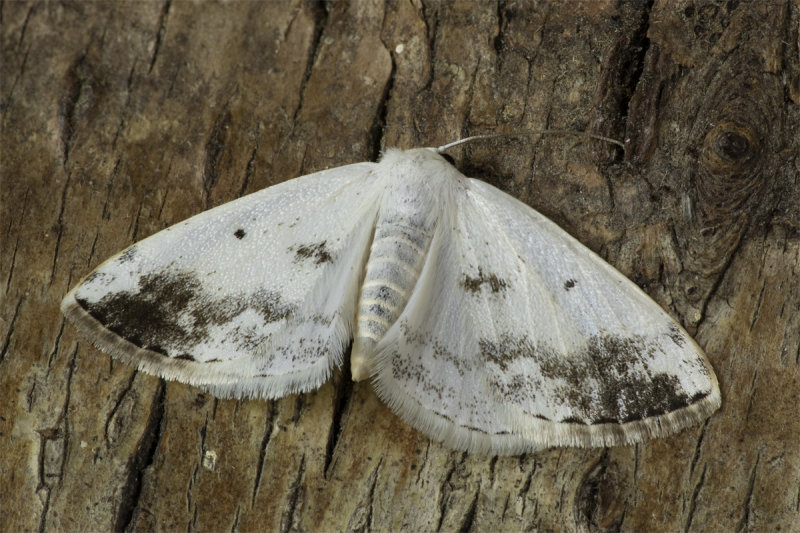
x,y
393,268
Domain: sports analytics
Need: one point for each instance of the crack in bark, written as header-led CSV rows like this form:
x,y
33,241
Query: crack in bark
x,y
215,148
11,266
262,452
60,225
45,509
90,256
106,215
447,489
526,486
378,126
721,275
320,14
757,308
431,31
797,500
744,522
249,171
135,228
751,394
587,497
506,503
65,412
54,351
236,515
299,407
131,489
162,30
469,516
344,394
24,27
371,496
10,332
697,449
693,502
465,129
60,437
113,412
423,462
126,105
366,524
640,45
291,506
492,467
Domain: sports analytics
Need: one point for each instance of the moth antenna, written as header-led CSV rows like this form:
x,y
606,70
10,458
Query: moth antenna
x,y
530,132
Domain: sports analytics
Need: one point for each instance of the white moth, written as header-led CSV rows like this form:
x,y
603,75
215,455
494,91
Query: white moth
x,y
479,321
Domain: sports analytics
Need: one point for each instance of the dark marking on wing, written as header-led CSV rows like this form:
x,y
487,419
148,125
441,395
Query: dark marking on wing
x,y
569,284
239,233
146,317
421,340
675,333
268,304
169,313
605,383
407,370
518,389
317,252
128,255
494,283
506,350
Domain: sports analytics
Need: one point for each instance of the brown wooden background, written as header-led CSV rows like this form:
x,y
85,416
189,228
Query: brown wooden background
x,y
119,119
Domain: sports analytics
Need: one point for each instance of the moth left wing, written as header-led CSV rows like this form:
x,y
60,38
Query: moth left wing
x,y
253,298
518,337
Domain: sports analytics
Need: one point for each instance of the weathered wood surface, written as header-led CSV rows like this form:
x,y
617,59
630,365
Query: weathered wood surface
x,y
119,119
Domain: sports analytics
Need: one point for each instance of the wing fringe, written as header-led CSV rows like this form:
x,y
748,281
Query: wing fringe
x,y
538,434
208,376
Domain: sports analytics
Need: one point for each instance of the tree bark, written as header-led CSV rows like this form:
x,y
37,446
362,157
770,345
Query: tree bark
x,y
120,119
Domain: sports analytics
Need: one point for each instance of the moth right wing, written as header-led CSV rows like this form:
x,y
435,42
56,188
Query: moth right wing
x,y
253,298
518,337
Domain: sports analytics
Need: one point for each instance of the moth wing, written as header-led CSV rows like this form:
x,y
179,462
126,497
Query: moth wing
x,y
518,337
253,298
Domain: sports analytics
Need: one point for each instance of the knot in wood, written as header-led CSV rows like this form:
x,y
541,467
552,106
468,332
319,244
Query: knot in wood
x,y
729,147
729,165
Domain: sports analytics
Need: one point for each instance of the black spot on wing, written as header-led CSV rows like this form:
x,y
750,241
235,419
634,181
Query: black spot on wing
x,y
608,382
570,283
474,284
239,233
317,252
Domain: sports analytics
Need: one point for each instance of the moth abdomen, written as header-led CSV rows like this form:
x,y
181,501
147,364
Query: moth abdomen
x,y
393,268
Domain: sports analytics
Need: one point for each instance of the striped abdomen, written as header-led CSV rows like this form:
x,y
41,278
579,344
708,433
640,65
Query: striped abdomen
x,y
394,265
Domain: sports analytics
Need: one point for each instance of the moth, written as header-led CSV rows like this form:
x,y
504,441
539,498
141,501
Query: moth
x,y
478,320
